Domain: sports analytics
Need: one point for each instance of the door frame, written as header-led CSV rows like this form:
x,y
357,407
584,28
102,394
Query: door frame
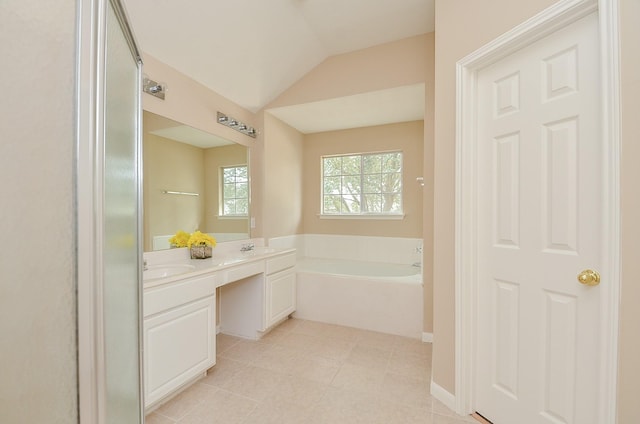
x,y
545,23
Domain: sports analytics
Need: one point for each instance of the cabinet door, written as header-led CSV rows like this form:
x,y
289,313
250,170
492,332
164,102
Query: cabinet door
x,y
178,345
281,295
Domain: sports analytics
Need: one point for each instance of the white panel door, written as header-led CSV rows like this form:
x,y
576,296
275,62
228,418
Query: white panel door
x,y
539,225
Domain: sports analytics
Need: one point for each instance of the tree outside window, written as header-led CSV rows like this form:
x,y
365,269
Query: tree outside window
x,y
235,191
362,184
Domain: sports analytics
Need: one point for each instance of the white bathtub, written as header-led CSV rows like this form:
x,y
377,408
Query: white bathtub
x,y
369,295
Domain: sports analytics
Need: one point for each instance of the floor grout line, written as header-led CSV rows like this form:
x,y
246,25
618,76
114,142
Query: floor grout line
x,y
364,361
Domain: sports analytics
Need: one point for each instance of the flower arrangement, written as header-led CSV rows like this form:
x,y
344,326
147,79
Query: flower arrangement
x,y
199,243
201,239
180,239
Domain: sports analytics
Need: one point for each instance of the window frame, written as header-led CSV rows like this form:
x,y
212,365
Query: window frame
x,y
362,215
221,206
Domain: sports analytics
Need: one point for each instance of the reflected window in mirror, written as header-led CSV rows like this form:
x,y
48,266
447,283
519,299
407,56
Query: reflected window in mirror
x,y
182,159
235,191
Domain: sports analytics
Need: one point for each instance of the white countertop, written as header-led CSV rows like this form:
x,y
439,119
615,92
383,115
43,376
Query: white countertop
x,y
209,265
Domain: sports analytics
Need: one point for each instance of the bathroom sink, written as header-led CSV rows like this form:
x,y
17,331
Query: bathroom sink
x,y
260,251
163,271
228,260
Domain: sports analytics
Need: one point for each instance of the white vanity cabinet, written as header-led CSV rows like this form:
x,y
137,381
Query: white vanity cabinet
x,y
280,288
179,334
257,291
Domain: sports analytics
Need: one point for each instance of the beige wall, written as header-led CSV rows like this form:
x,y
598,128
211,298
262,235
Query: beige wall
x,y
195,105
629,347
427,191
404,62
461,27
400,63
282,178
407,137
214,159
38,358
170,165
395,64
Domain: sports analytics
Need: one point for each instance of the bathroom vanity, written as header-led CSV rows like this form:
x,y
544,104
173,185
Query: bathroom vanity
x,y
257,291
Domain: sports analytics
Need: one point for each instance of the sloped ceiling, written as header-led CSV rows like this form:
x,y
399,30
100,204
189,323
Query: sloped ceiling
x,y
250,51
382,107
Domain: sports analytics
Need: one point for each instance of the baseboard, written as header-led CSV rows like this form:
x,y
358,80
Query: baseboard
x,y
443,396
427,337
218,329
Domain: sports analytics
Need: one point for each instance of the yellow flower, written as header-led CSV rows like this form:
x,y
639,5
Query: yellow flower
x,y
180,239
201,239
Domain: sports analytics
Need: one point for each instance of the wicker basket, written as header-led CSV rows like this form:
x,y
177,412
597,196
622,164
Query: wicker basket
x,y
200,252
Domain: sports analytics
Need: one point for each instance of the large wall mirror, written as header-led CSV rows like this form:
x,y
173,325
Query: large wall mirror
x,y
193,180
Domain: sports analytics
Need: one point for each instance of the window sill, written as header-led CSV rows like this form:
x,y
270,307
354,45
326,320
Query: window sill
x,y
372,217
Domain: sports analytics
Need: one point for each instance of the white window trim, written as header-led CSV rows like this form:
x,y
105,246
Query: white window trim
x,y
366,215
386,216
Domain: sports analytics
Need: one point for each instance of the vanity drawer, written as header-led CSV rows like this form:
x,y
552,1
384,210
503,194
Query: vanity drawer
x,y
162,298
238,272
280,262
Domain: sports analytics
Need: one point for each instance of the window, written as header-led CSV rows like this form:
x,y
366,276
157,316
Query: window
x,y
362,184
235,191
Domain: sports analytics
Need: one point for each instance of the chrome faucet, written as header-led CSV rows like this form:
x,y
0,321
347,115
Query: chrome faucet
x,y
247,247
145,265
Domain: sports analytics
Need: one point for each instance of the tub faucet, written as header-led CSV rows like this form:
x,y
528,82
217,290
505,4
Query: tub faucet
x,y
145,267
247,247
417,264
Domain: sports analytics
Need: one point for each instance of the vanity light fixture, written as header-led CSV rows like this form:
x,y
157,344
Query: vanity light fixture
x,y
157,89
236,125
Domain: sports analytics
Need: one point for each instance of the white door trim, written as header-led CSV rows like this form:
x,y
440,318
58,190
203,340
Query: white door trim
x,y
466,281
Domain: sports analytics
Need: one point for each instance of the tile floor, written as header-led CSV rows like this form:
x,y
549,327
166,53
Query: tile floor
x,y
305,372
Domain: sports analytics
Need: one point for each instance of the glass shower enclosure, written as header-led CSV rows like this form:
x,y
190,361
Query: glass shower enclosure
x,y
121,244
109,216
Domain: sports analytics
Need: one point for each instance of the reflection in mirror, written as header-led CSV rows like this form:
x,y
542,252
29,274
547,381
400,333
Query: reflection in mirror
x,y
193,180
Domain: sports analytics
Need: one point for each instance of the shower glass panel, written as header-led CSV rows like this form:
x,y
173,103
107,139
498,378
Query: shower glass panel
x,y
121,240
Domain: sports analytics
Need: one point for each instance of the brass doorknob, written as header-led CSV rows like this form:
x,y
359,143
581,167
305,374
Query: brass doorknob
x,y
589,277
